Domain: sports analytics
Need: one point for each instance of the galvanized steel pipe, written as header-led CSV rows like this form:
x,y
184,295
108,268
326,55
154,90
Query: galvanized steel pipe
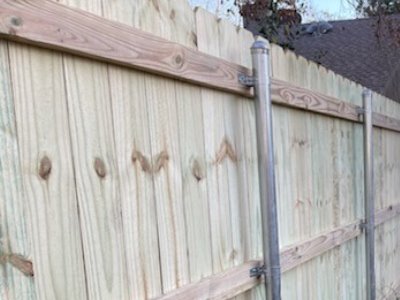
x,y
263,112
369,206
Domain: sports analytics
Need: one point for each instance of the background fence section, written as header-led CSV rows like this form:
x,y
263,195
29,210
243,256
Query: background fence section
x,y
117,183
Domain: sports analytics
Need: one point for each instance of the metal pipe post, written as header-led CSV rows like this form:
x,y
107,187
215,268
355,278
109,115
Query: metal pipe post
x,y
263,106
369,225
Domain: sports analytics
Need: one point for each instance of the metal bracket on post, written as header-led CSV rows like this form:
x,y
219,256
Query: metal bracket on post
x,y
258,271
266,172
368,225
246,80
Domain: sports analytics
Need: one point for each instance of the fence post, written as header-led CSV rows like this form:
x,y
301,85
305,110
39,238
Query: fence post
x,y
263,112
369,205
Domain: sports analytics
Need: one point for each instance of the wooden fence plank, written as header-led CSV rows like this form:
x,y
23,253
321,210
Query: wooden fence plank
x,y
59,27
288,94
299,253
96,177
382,121
166,159
219,149
49,181
224,285
15,221
98,186
237,280
52,25
133,149
386,214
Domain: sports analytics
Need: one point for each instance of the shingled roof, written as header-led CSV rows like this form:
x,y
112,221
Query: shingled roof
x,y
355,50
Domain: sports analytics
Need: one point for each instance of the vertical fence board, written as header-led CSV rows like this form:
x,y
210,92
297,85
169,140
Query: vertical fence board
x,y
133,149
15,220
43,135
97,179
162,112
218,149
192,150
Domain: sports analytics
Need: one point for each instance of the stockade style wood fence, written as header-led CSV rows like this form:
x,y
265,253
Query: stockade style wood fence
x,y
128,160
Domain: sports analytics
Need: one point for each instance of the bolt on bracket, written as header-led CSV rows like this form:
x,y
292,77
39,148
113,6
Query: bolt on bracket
x,y
246,80
258,271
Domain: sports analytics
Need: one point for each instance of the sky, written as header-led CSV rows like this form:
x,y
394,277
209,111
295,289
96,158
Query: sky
x,y
320,9
339,9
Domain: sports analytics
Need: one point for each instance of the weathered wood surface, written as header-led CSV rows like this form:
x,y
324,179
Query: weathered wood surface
x,y
49,24
16,224
387,214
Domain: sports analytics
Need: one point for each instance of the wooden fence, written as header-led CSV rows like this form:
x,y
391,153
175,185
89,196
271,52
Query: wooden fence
x,y
128,162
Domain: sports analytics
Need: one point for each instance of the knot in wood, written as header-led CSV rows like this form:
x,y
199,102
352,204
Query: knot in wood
x,y
19,262
179,60
137,156
197,170
16,21
100,167
45,168
161,161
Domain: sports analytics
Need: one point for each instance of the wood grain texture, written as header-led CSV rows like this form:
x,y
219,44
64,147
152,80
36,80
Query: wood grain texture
x,y
161,98
219,150
295,255
55,26
133,149
285,93
82,33
48,175
15,221
223,285
312,187
97,180
387,214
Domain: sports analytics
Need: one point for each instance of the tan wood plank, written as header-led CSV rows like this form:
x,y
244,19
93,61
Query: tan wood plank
x,y
235,281
180,18
288,94
224,285
304,251
387,214
49,181
219,150
97,178
133,149
94,37
15,222
161,96
382,121
55,26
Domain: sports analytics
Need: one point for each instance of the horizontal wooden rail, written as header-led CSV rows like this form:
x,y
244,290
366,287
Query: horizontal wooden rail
x,y
51,25
236,281
290,95
225,285
297,254
387,214
385,122
55,26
